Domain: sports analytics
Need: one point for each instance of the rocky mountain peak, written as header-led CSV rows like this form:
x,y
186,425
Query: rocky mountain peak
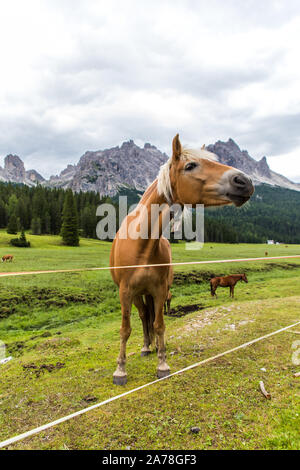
x,y
105,171
149,146
229,153
264,168
14,171
69,169
34,176
128,144
14,166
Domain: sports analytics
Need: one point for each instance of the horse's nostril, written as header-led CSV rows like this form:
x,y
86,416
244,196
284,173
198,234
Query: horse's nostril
x,y
239,187
239,180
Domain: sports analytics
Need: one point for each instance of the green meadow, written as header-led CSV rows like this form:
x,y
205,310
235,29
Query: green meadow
x,y
62,330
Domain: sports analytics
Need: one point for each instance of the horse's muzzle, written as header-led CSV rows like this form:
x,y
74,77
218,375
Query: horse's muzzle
x,y
237,187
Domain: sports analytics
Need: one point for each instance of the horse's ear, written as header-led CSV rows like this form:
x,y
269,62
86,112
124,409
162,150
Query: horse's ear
x,y
203,147
176,148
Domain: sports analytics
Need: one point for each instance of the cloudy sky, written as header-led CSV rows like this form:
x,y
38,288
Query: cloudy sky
x,y
81,75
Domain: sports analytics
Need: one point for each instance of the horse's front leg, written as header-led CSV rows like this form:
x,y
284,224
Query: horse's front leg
x,y
120,376
159,327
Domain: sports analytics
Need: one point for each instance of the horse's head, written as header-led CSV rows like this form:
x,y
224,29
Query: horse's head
x,y
244,278
195,177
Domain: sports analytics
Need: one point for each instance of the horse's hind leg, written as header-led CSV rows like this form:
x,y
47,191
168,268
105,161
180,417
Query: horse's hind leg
x,y
120,376
159,327
139,303
213,290
169,306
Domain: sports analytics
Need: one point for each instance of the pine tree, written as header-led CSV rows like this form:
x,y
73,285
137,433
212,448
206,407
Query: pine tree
x,y
3,214
47,223
88,222
69,229
12,224
12,204
21,211
36,226
55,215
23,236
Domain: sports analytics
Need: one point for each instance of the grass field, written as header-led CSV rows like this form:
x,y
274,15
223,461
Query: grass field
x,y
71,321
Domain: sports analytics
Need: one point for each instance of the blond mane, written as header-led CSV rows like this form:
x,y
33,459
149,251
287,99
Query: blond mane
x,y
163,179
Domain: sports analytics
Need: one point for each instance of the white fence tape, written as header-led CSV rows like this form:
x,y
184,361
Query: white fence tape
x,y
105,268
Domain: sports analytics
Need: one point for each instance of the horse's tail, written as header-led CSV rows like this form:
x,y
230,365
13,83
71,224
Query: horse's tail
x,y
150,317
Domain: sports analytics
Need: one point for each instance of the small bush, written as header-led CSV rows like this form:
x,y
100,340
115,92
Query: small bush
x,y
20,242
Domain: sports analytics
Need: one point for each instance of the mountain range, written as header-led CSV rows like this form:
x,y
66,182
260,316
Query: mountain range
x,y
14,171
108,171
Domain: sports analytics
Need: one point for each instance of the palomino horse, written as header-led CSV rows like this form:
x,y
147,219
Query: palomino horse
x,y
226,281
188,177
7,258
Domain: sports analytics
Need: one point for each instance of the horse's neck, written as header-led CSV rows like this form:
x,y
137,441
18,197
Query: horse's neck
x,y
150,191
148,200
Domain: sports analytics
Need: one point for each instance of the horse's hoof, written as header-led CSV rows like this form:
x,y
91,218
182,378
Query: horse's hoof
x,y
145,353
120,379
163,373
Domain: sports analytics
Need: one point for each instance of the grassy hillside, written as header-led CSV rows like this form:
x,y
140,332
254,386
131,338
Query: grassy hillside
x,y
63,332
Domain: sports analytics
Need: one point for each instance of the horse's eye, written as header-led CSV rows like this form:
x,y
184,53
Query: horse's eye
x,y
190,166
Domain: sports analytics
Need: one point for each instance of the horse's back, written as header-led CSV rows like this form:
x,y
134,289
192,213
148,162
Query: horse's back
x,y
222,281
230,280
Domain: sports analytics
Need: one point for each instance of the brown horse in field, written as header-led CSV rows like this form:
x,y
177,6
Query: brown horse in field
x,y
188,177
226,281
7,258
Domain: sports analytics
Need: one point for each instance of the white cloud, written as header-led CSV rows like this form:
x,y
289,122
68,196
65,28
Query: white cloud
x,y
288,165
87,75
